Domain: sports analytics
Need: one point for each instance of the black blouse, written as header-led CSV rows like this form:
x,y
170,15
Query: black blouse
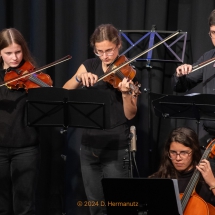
x,y
202,188
14,131
118,135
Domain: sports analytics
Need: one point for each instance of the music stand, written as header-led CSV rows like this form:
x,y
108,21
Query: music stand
x,y
83,108
141,196
192,106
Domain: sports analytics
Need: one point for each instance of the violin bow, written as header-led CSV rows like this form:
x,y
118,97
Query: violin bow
x,y
68,57
203,64
139,55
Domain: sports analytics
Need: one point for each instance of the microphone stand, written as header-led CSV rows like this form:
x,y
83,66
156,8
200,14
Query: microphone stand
x,y
129,161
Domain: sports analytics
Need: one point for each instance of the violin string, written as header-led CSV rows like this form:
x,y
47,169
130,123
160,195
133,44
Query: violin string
x,y
139,55
38,70
38,81
121,76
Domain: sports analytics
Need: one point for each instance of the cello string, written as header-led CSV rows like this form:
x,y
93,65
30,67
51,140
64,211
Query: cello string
x,y
195,177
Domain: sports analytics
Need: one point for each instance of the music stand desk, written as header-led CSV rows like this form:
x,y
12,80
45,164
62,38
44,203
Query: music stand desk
x,y
191,106
83,108
135,196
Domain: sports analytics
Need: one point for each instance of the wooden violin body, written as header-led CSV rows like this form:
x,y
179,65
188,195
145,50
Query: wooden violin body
x,y
26,82
119,70
122,69
125,72
26,76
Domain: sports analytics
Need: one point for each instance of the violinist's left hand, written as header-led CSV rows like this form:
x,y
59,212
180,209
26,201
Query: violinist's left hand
x,y
124,85
205,168
129,100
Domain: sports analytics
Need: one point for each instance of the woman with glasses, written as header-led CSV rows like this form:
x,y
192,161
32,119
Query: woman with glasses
x,y
181,157
103,152
185,79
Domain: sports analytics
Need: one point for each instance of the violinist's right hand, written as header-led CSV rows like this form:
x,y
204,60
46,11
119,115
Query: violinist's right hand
x,y
81,77
183,70
87,78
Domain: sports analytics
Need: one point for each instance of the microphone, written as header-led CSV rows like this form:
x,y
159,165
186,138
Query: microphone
x,y
133,139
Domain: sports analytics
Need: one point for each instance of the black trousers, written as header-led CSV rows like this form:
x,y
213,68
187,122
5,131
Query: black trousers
x,y
97,164
18,177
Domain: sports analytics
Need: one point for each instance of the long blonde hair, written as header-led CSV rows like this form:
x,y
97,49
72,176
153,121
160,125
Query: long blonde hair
x,y
11,35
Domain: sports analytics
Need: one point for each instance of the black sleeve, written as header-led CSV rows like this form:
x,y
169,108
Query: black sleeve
x,y
91,65
187,82
179,84
203,191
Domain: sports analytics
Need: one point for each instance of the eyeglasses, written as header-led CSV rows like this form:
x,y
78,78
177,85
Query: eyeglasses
x,y
182,154
212,34
108,52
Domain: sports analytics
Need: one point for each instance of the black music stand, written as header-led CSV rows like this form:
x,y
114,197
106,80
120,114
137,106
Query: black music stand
x,y
192,106
83,108
141,196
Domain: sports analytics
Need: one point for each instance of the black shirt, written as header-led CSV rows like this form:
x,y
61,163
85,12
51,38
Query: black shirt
x,y
205,75
202,189
118,135
14,131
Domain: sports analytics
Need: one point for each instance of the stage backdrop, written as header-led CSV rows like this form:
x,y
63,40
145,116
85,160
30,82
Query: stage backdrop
x,y
56,28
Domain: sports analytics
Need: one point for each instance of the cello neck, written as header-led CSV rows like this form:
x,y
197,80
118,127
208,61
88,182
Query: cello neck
x,y
190,189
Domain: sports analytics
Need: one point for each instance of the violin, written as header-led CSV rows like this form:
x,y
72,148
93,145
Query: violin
x,y
26,82
191,202
25,76
125,72
121,69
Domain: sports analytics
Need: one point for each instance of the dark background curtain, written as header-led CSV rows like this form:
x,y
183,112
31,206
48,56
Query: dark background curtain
x,y
56,28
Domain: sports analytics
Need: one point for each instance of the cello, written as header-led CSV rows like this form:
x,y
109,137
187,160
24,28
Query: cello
x,y
191,202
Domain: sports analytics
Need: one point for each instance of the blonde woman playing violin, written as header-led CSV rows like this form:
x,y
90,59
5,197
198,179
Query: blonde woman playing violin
x,y
18,142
